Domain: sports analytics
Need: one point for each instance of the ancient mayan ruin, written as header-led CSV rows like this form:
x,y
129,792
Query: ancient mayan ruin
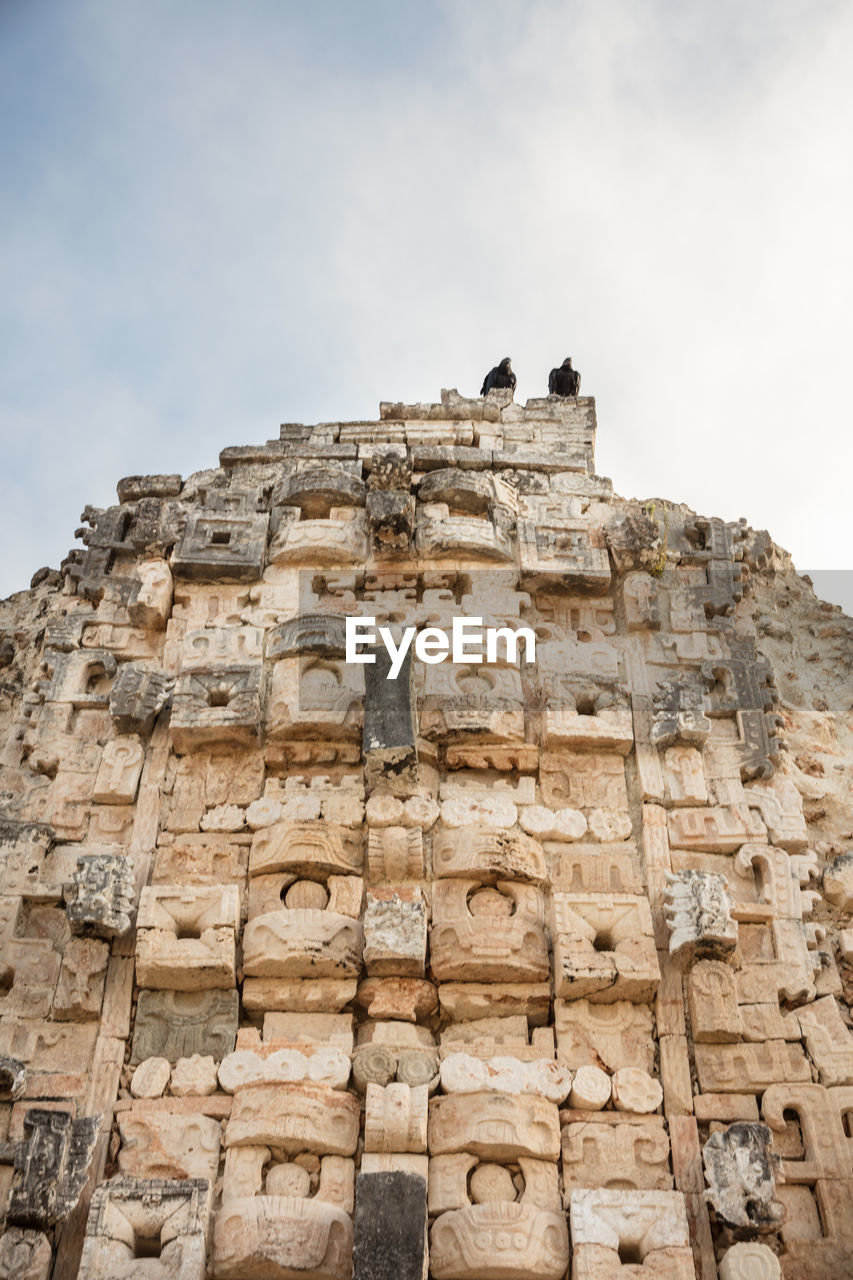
x,y
521,969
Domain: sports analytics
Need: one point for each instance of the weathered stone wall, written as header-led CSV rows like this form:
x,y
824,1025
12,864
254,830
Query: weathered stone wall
x,y
492,971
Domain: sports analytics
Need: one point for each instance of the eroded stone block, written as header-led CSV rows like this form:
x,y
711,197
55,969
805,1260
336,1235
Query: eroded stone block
x,y
159,1144
282,1235
185,938
294,1118
602,1148
395,932
698,916
395,1118
495,1126
177,1024
488,933
604,947
164,1223
741,1170
51,1167
499,1240
102,896
390,1226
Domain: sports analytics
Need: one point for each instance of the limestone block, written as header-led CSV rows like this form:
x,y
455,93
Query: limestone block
x,y
151,1078
457,1180
211,648
315,696
642,607
150,602
395,1118
606,825
177,1024
478,808
441,535
340,894
395,932
489,855
712,1000
194,1077
410,999
838,882
13,1079
781,807
635,1090
397,1162
391,519
556,551
221,708
339,540
610,729
159,1144
499,1240
313,848
163,1222
733,1068
294,1118
610,1036
51,1167
498,1037
462,1073
583,780
302,943
282,1236
826,1149
25,1255
315,996
641,1222
488,933
588,868
395,854
685,777
495,1126
222,543
600,1148
118,775
828,1040
82,678
698,915
720,829
48,1046
324,1064
749,1260
741,1170
603,947
547,824
590,1089
299,1029
80,988
244,1172
186,936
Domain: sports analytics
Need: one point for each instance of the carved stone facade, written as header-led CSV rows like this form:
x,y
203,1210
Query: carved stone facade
x,y
531,966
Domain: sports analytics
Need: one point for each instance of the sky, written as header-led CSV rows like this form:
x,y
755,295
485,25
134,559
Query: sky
x,y
221,215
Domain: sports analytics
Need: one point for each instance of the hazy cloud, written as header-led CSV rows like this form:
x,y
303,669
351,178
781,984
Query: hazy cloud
x,y
218,217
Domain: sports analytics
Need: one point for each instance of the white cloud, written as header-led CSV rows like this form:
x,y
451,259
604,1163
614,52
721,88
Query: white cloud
x,y
233,221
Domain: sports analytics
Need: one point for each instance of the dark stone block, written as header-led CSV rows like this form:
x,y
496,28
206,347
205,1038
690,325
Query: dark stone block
x,y
389,743
390,1226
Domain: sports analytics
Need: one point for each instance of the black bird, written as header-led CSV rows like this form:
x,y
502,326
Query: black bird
x,y
499,378
564,381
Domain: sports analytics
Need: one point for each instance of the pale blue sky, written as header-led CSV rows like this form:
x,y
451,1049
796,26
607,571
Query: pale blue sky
x,y
216,216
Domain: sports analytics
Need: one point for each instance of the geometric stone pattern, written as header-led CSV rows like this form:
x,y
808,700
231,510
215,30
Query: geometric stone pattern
x,y
503,969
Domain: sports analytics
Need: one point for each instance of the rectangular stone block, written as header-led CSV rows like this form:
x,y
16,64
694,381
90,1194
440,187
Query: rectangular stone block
x,y
178,1024
604,947
390,1226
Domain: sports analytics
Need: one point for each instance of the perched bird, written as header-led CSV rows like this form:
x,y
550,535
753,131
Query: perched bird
x,y
499,378
564,381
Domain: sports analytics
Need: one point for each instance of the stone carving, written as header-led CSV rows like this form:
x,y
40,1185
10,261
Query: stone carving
x,y
159,1144
741,1171
488,856
698,916
395,1118
51,1167
603,946
395,932
177,1024
13,1079
302,943
137,697
679,715
224,541
118,776
101,899
163,1222
600,1148
24,1255
285,1235
185,939
294,1118
499,1239
607,1035
488,933
462,1073
645,1227
557,552
81,979
221,708
750,1260
313,848
495,1126
316,1064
